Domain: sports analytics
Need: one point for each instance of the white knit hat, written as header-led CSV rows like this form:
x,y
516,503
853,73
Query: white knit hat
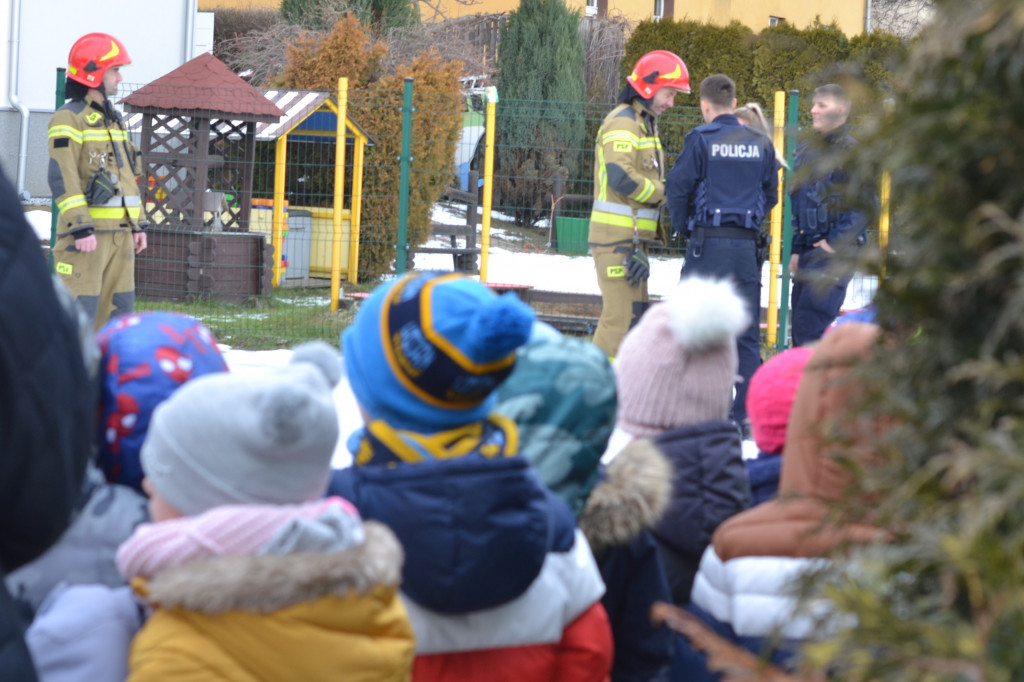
x,y
677,367
247,439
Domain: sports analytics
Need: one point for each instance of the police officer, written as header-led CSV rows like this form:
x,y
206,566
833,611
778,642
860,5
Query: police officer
x,y
823,219
721,187
629,188
93,171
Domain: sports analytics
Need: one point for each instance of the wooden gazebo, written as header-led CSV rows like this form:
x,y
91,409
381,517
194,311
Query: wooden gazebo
x,y
197,135
197,127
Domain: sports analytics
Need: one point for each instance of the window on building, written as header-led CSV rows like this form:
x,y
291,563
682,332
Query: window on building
x,y
775,21
591,8
659,9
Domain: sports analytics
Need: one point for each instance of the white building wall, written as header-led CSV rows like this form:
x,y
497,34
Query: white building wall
x,y
159,35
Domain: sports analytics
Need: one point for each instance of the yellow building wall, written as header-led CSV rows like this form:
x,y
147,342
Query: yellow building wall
x,y
451,9
849,16
210,5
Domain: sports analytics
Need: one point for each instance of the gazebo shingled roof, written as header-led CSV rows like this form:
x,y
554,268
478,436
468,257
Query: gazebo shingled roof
x,y
205,86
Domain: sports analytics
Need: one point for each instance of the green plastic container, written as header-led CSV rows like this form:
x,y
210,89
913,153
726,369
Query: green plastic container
x,y
572,234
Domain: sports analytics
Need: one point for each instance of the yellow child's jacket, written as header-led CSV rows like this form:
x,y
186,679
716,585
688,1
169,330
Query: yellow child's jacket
x,y
304,617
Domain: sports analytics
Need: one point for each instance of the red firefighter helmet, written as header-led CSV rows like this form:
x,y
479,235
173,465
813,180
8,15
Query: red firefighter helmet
x,y
92,55
656,70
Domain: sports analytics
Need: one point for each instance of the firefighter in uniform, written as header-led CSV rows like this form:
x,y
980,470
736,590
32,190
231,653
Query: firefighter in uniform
x,y
723,184
823,219
93,171
629,188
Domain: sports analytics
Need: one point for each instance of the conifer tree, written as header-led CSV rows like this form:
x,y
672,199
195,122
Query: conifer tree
x,y
540,127
943,598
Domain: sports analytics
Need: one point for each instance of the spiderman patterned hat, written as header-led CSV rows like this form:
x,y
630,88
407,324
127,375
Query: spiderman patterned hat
x,y
146,357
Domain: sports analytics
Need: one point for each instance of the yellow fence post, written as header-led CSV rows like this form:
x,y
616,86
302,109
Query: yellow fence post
x,y
277,228
339,192
485,223
883,219
884,192
775,252
355,216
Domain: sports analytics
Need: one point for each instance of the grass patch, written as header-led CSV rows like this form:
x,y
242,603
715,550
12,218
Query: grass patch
x,y
283,319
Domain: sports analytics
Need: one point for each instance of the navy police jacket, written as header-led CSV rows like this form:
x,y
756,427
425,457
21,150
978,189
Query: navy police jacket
x,y
726,176
820,207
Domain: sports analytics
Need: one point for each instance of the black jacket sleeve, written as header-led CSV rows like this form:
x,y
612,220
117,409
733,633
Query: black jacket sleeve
x,y
47,396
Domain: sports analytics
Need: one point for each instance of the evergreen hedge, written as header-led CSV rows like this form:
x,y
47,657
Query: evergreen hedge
x,y
782,57
706,49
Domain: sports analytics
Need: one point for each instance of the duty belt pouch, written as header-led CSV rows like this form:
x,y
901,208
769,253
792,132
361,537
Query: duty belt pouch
x,y
101,188
698,242
812,219
763,243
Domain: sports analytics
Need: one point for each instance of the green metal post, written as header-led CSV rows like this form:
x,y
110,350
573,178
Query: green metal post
x,y
61,82
403,190
793,111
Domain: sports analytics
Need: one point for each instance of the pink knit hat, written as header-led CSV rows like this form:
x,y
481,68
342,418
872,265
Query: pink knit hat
x,y
771,394
677,367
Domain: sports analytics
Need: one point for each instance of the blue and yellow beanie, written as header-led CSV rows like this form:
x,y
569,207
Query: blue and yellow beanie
x,y
426,352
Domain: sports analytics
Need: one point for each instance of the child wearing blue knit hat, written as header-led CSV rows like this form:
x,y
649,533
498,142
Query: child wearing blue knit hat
x,y
426,353
498,582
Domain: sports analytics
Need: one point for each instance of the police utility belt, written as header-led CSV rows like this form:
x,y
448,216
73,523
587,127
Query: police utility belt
x,y
762,240
705,232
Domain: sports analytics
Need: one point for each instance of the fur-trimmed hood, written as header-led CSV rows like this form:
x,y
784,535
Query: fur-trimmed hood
x,y
633,496
269,583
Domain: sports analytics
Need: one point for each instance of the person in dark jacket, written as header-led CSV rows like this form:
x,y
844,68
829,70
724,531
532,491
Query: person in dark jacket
x,y
721,188
675,375
48,394
824,218
562,397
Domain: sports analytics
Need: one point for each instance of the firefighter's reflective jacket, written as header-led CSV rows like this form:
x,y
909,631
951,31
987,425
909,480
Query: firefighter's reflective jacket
x,y
629,181
93,170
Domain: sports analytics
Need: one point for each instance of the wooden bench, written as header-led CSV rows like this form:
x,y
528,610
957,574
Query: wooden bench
x,y
463,255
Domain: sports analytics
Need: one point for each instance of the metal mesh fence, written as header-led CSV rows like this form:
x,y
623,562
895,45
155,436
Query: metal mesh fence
x,y
264,233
